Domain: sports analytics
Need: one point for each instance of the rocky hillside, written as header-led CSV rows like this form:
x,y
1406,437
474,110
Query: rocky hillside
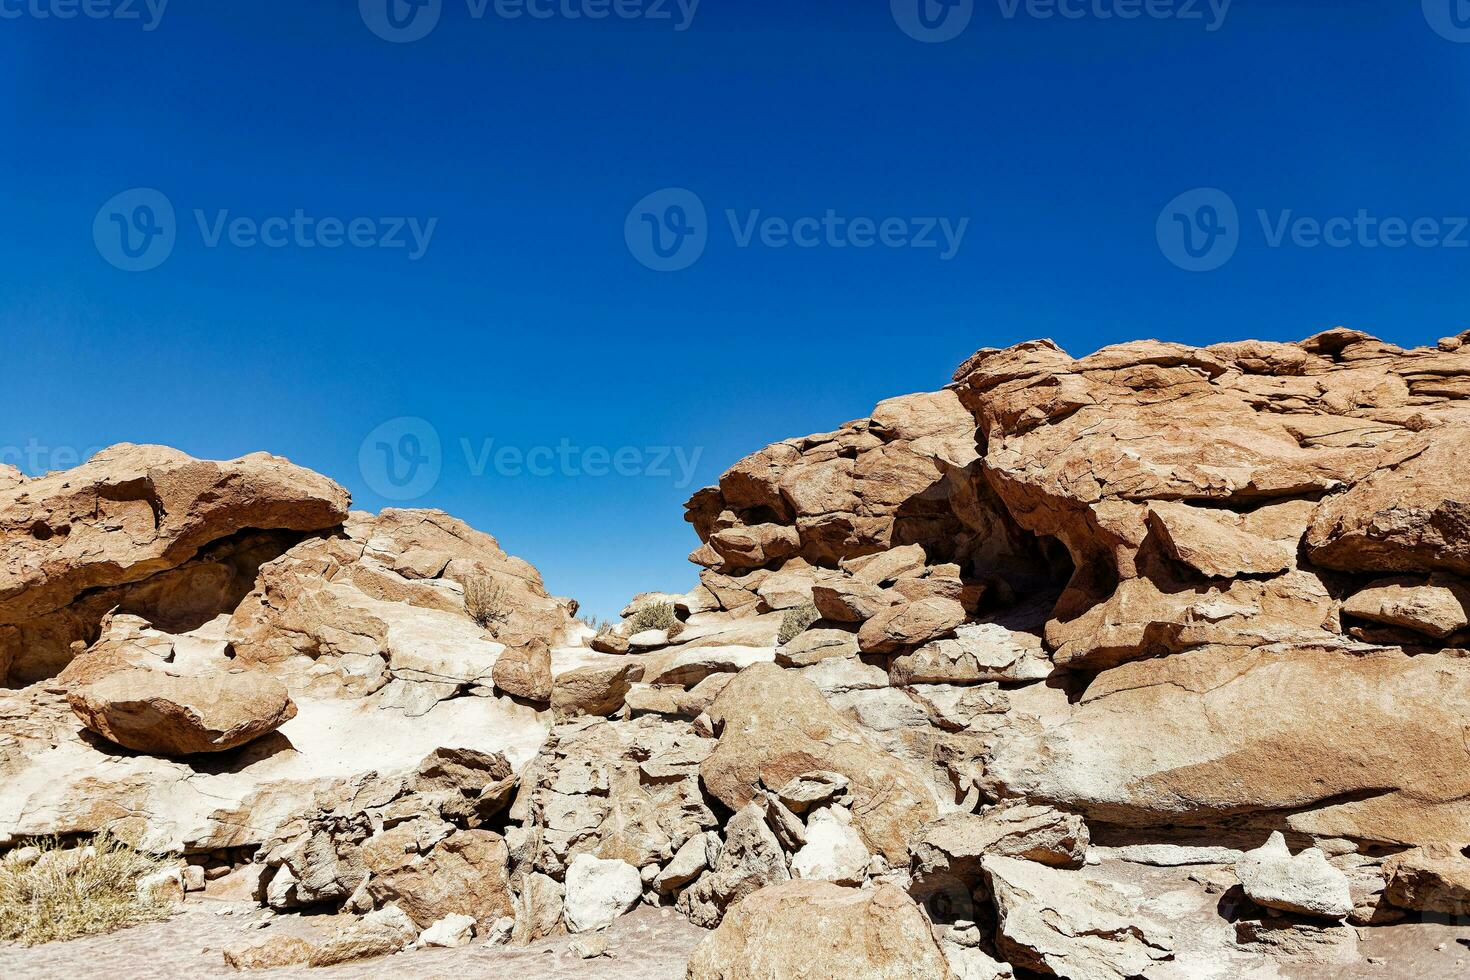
x,y
1149,663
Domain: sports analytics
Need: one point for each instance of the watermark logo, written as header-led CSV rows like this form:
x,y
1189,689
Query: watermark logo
x,y
147,13
933,21
401,21
1449,18
135,230
401,459
668,230
1199,230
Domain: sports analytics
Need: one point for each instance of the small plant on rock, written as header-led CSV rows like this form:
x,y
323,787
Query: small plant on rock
x,y
62,893
653,616
485,601
797,621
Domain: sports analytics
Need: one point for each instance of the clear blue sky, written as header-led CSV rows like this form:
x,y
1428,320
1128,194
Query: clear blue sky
x,y
529,320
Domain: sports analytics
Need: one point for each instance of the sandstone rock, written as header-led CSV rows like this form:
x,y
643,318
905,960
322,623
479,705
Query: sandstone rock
x,y
593,690
1064,924
841,676
148,710
775,727
599,891
1200,736
1434,878
466,873
1437,609
750,859
610,641
977,653
850,601
450,932
133,511
163,885
687,863
526,672
1220,544
810,789
820,931
279,952
388,930
816,645
833,850
539,909
1305,883
910,624
956,844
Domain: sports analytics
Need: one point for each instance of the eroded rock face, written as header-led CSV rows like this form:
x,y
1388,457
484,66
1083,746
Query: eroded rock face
x,y
133,511
776,727
821,931
151,711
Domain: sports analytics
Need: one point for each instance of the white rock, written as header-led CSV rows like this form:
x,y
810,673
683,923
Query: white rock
x,y
165,884
450,932
500,931
1172,855
1305,884
599,891
833,850
843,674
685,865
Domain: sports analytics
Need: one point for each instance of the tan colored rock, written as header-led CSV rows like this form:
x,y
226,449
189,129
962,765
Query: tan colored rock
x,y
755,547
278,952
465,873
815,930
1302,883
976,654
816,645
1202,736
910,624
956,843
1220,544
750,859
1065,924
133,511
775,727
1433,878
525,672
148,710
593,690
1437,608
850,601
1408,518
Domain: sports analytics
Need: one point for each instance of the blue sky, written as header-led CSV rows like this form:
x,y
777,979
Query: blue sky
x,y
531,151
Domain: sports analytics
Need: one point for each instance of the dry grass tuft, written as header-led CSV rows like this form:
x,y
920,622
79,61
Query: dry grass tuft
x,y
797,621
487,603
653,616
80,891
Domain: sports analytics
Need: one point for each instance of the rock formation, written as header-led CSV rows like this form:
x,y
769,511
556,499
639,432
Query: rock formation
x,y
1147,663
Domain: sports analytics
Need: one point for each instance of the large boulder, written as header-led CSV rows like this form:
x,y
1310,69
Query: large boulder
x,y
151,711
1303,883
775,726
814,930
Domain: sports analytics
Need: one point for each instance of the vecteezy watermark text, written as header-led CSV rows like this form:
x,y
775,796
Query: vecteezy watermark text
x,y
403,459
148,13
36,458
1200,230
936,21
405,21
137,231
669,230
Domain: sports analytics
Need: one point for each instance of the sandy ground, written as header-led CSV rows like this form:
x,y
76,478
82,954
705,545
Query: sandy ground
x,y
649,944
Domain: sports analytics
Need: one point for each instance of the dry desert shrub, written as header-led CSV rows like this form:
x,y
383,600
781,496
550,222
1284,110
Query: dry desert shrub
x,y
487,603
653,616
81,891
796,621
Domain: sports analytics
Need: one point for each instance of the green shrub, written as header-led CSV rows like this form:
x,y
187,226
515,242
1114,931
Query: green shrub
x,y
653,616
81,891
796,621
